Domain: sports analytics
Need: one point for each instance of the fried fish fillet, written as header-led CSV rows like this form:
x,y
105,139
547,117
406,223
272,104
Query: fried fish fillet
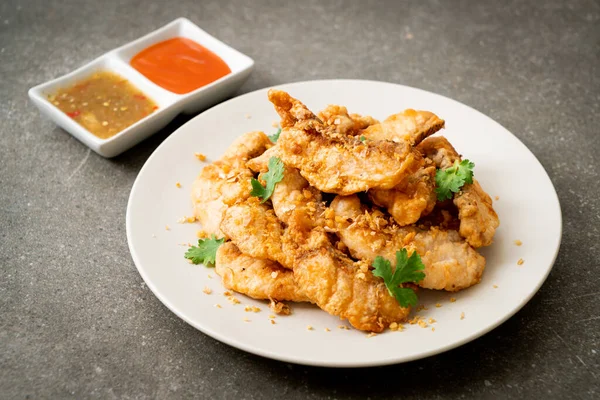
x,y
450,263
339,285
254,228
478,220
346,124
412,198
293,192
333,162
258,278
325,275
226,181
408,126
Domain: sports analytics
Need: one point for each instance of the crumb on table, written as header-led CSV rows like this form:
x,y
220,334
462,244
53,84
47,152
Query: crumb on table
x,y
518,242
178,184
200,156
462,315
520,262
452,299
207,290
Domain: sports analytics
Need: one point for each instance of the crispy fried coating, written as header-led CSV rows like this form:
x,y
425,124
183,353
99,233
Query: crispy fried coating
x,y
408,126
258,278
292,192
341,286
478,220
337,163
254,228
346,124
450,263
226,181
324,274
412,198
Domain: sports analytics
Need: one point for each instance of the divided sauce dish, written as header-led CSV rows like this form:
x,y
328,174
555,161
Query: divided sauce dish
x,y
168,104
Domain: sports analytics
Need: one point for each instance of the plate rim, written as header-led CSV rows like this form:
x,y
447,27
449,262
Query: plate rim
x,y
333,364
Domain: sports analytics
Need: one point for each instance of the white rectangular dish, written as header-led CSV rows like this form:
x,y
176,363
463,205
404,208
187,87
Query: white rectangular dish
x,y
169,104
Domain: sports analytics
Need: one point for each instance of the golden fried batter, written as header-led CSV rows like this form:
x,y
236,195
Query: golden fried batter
x,y
226,181
291,193
337,163
450,263
325,275
345,123
258,278
408,126
341,286
478,220
256,231
412,198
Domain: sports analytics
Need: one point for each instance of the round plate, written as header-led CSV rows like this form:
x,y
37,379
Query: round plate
x,y
506,169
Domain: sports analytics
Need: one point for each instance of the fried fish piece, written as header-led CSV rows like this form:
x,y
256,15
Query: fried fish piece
x,y
324,274
254,228
258,278
333,162
226,181
346,124
339,285
450,263
478,220
412,198
292,193
410,126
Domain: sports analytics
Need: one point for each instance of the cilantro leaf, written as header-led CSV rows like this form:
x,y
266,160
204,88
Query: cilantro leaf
x,y
274,137
362,138
408,269
451,179
271,178
205,252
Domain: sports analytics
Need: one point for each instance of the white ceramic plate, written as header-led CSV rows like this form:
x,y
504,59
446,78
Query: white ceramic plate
x,y
528,208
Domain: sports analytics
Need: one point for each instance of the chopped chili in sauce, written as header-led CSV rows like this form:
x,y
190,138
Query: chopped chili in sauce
x,y
103,103
180,65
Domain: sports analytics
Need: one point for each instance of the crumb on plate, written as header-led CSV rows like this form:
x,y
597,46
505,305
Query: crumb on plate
x,y
279,307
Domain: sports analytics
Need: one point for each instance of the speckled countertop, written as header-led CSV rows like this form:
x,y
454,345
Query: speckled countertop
x,y
77,320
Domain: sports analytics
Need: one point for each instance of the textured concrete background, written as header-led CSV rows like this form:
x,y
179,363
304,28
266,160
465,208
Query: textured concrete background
x,y
78,322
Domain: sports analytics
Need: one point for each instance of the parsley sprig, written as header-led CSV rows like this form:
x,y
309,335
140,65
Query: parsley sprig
x,y
274,137
451,179
206,251
271,178
408,269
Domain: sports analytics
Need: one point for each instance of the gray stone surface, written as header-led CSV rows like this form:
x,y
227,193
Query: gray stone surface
x,y
77,320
